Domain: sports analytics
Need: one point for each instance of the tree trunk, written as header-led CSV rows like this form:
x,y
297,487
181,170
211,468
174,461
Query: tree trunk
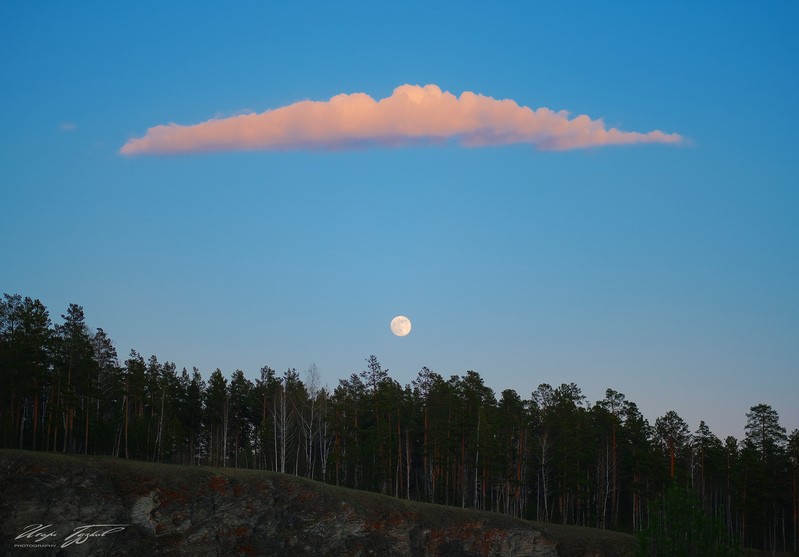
x,y
671,457
126,403
224,433
614,502
477,463
86,432
35,416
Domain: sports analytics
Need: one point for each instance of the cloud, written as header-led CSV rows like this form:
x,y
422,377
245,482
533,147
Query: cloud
x,y
412,115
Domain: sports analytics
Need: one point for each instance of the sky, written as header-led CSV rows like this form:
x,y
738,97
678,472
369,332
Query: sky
x,y
598,193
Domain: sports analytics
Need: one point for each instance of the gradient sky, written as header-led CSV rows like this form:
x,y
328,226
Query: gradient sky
x,y
668,272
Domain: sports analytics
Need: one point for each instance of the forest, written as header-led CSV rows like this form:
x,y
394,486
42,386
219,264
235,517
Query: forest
x,y
549,455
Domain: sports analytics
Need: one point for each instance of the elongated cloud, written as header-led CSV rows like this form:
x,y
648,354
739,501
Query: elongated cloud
x,y
412,115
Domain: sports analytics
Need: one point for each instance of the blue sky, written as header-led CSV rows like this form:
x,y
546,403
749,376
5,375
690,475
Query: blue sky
x,y
665,272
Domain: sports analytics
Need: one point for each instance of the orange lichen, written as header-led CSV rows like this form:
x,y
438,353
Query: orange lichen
x,y
246,550
218,484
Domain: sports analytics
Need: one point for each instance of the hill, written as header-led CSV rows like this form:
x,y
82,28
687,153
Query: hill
x,y
78,506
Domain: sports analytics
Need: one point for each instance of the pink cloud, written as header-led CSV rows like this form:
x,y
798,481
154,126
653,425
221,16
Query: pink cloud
x,y
412,115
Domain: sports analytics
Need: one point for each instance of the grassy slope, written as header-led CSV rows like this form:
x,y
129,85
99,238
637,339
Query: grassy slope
x,y
572,540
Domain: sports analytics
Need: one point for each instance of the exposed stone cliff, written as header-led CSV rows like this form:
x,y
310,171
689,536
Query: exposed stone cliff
x,y
57,505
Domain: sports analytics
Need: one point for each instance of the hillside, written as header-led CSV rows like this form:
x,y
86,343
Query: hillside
x,y
72,505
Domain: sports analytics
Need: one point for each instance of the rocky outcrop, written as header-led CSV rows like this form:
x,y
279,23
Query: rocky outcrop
x,y
57,505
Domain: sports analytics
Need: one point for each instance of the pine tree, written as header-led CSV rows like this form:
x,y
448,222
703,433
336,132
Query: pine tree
x,y
217,414
764,449
673,434
614,403
110,392
26,344
793,462
241,423
264,396
763,430
77,368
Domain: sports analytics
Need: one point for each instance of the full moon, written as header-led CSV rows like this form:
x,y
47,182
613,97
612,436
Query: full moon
x,y
400,325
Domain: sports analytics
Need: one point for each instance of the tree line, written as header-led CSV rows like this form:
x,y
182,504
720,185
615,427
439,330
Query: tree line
x,y
553,456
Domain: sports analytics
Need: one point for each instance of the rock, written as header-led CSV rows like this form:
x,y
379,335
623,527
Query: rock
x,y
86,506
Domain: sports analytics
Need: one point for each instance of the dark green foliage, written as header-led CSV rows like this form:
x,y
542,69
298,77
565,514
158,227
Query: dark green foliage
x,y
551,457
680,527
27,342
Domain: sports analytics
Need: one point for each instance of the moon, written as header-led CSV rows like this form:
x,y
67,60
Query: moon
x,y
400,325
